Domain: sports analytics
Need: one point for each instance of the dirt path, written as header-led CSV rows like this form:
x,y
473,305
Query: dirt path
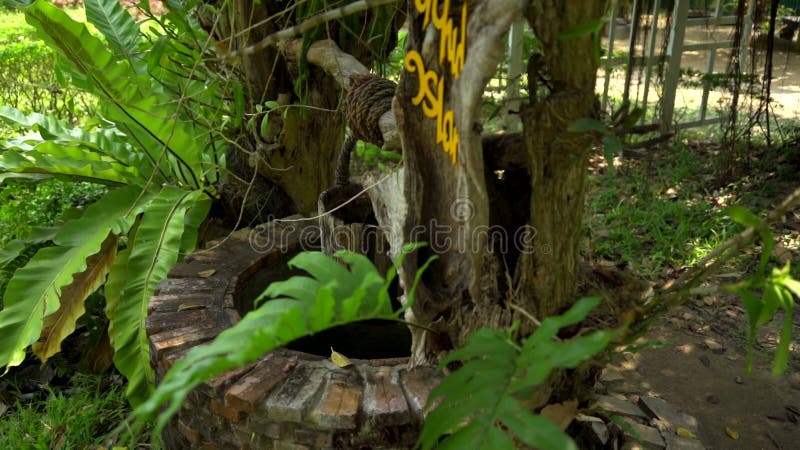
x,y
702,372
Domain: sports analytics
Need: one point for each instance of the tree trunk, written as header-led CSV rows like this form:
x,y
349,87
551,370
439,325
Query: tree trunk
x,y
448,198
556,157
438,115
298,150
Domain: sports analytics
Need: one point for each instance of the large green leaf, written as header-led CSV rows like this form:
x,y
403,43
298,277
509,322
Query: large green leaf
x,y
106,141
61,324
33,292
153,252
116,24
135,103
75,162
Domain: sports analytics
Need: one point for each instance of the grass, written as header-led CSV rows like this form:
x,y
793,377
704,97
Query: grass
x,y
76,420
655,218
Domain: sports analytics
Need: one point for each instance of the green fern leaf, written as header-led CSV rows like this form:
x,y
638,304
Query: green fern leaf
x,y
105,141
116,24
33,292
478,401
154,251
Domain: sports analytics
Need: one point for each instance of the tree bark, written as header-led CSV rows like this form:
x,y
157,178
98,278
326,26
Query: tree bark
x,y
557,158
446,193
298,152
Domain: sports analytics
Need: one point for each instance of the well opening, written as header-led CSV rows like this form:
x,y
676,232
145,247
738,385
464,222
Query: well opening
x,y
292,397
371,339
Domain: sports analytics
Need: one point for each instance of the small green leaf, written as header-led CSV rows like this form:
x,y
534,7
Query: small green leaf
x,y
743,216
587,124
582,29
272,104
264,125
612,146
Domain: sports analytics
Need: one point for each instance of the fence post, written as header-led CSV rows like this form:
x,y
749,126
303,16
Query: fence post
x,y
674,52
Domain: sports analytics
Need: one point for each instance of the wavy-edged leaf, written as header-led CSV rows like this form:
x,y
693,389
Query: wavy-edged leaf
x,y
107,141
195,215
153,252
33,292
55,160
116,24
138,106
61,324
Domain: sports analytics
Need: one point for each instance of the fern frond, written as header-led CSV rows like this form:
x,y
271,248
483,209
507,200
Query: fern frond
x,y
479,408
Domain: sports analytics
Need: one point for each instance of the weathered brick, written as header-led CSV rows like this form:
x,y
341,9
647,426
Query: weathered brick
x,y
165,358
164,321
188,335
250,390
293,399
313,438
384,402
225,411
264,427
195,287
192,435
217,385
339,403
417,385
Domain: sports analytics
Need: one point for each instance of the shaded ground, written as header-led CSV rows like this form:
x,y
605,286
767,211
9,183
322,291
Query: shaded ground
x,y
701,369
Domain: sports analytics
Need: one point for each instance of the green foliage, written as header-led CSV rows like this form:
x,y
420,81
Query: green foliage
x,y
70,421
155,147
28,78
333,295
374,156
482,402
778,291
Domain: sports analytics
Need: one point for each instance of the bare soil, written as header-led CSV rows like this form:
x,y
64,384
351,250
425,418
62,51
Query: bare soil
x,y
702,368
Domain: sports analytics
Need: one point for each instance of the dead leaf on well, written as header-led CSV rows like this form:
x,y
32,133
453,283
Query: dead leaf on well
x,y
339,359
561,414
188,306
683,432
732,433
206,273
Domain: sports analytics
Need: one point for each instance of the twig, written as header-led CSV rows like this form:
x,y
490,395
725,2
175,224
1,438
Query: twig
x,y
288,33
674,292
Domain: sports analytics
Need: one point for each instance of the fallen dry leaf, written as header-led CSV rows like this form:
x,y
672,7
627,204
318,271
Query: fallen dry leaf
x,y
206,273
683,432
339,359
732,433
561,414
188,306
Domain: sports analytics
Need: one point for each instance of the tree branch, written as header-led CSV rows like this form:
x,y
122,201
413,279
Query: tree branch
x,y
675,292
297,30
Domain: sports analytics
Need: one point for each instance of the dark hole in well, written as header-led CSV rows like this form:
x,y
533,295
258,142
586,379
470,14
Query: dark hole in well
x,y
373,339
